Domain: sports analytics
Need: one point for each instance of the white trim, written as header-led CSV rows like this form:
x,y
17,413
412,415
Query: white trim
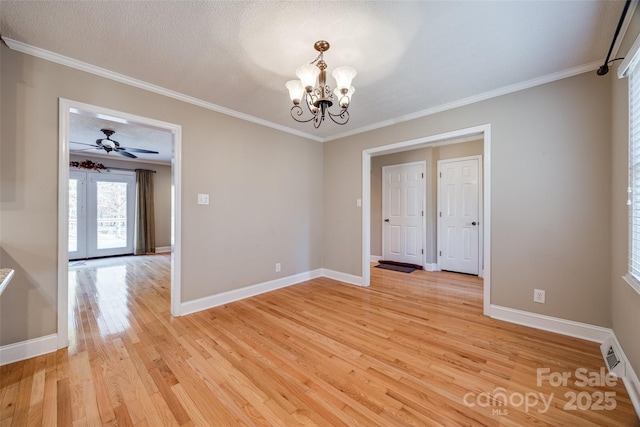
x,y
375,258
65,107
431,267
571,328
103,72
246,292
549,78
343,277
27,349
482,131
630,378
632,281
580,330
163,249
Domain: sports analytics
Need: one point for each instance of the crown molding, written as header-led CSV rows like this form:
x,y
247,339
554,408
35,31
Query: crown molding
x,y
473,99
102,72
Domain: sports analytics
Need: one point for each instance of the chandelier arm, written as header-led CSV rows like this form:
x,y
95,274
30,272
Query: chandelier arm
x,y
343,116
297,110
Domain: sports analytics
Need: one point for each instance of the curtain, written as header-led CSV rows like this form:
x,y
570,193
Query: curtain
x,y
145,228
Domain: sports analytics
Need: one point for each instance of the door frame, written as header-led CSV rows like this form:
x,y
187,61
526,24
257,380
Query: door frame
x,y
66,107
422,163
481,132
480,210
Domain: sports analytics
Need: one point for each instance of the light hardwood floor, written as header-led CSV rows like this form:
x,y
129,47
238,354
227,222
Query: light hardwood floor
x,y
413,349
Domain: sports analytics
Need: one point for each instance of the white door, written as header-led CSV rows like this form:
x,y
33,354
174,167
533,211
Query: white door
x,y
102,206
403,192
77,215
459,215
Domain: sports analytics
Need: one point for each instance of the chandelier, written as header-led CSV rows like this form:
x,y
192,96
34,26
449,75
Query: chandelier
x,y
313,92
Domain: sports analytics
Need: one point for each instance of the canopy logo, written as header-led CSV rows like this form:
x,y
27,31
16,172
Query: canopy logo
x,y
499,400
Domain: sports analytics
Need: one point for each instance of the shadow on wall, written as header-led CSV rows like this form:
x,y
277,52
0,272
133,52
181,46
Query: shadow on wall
x,y
17,322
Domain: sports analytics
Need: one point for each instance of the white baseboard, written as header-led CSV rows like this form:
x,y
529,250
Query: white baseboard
x,y
630,379
553,324
27,349
375,258
246,292
163,249
574,329
431,267
342,277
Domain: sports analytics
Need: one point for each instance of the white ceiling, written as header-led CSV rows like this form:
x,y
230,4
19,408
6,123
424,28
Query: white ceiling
x,y
412,58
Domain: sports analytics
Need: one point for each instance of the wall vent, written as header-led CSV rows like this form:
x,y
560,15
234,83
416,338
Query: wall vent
x,y
611,355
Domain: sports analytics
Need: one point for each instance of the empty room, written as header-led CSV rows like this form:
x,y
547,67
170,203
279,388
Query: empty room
x,y
266,213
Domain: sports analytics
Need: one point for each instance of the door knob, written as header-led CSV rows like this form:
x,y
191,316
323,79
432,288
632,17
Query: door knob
x,y
386,220
474,223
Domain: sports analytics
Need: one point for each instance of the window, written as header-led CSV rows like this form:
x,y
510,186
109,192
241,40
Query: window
x,y
633,72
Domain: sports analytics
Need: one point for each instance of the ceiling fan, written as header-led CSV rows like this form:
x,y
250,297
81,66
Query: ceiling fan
x,y
107,144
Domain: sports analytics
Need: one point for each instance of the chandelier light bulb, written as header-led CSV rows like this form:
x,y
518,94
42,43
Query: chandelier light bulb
x,y
308,75
343,76
296,90
344,98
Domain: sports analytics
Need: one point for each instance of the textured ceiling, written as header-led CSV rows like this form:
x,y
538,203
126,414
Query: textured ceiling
x,y
411,57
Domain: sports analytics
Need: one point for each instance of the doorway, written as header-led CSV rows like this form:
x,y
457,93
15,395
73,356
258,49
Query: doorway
x,y
66,108
403,190
483,133
459,219
101,214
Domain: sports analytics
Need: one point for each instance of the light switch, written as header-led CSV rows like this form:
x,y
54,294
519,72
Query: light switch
x,y
359,203
203,199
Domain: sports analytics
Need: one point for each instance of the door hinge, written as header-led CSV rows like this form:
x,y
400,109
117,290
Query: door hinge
x,y
440,253
440,214
422,213
423,174
440,174
422,251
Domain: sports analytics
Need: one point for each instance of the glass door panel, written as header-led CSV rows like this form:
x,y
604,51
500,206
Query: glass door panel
x,y
77,206
112,215
111,211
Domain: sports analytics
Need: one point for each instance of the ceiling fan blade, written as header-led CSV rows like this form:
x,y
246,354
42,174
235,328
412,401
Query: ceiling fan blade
x,y
138,150
124,153
88,149
82,143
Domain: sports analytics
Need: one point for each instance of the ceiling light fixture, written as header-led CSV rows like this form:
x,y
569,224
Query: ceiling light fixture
x,y
313,91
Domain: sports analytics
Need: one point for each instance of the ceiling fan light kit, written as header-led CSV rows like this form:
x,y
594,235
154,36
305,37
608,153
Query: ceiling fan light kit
x,y
313,93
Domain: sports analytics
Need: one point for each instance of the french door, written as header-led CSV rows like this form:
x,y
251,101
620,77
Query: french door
x,y
101,214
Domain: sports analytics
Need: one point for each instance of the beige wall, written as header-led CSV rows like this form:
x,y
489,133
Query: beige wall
x,y
161,192
259,214
430,155
625,307
551,180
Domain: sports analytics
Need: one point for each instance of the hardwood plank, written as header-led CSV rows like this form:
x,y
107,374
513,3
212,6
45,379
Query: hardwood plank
x,y
412,349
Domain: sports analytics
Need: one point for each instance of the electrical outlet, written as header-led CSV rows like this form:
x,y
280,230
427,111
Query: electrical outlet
x,y
277,267
538,296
